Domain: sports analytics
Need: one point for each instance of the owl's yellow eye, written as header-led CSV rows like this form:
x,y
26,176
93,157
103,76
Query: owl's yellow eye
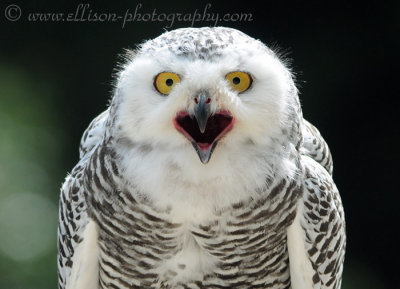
x,y
240,81
164,82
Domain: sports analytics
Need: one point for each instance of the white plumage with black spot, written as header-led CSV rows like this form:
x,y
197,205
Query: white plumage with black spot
x,y
202,173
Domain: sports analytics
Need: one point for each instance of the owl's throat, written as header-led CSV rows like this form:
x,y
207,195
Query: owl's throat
x,y
204,143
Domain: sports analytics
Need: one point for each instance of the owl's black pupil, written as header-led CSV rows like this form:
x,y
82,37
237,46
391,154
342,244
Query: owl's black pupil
x,y
236,80
169,82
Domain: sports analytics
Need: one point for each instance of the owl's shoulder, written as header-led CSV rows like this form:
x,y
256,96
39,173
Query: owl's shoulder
x,y
93,134
315,146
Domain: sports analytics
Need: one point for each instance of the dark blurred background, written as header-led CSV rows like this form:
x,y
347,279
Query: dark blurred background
x,y
55,76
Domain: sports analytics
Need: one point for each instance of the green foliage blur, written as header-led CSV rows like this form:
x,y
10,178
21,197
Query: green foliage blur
x,y
30,148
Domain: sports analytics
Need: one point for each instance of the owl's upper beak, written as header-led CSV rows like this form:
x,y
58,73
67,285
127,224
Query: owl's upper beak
x,y
202,110
204,129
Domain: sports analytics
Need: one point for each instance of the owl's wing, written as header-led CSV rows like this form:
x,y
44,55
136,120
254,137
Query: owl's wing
x,y
77,237
77,233
316,239
315,146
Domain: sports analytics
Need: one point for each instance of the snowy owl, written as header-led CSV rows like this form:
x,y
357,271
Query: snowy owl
x,y
202,173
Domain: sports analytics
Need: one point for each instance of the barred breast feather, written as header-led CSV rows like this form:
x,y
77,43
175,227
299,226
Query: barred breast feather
x,y
136,241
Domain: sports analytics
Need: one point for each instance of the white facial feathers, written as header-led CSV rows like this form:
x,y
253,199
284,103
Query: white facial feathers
x,y
146,115
264,114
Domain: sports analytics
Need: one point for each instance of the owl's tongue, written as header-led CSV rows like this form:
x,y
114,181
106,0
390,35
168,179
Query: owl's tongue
x,y
204,143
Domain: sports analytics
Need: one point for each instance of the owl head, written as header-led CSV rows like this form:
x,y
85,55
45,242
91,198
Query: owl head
x,y
205,93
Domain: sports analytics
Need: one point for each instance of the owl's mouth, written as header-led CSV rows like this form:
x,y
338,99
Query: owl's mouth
x,y
204,143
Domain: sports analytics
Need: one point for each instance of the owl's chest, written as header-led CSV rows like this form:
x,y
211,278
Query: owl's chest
x,y
245,242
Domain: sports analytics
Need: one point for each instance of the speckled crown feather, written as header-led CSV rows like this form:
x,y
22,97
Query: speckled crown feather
x,y
203,43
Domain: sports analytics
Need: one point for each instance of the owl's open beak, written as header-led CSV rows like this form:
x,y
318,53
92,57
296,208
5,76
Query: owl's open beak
x,y
204,130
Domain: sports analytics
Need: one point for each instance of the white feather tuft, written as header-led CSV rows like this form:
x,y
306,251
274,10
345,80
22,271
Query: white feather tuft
x,y
85,266
301,271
